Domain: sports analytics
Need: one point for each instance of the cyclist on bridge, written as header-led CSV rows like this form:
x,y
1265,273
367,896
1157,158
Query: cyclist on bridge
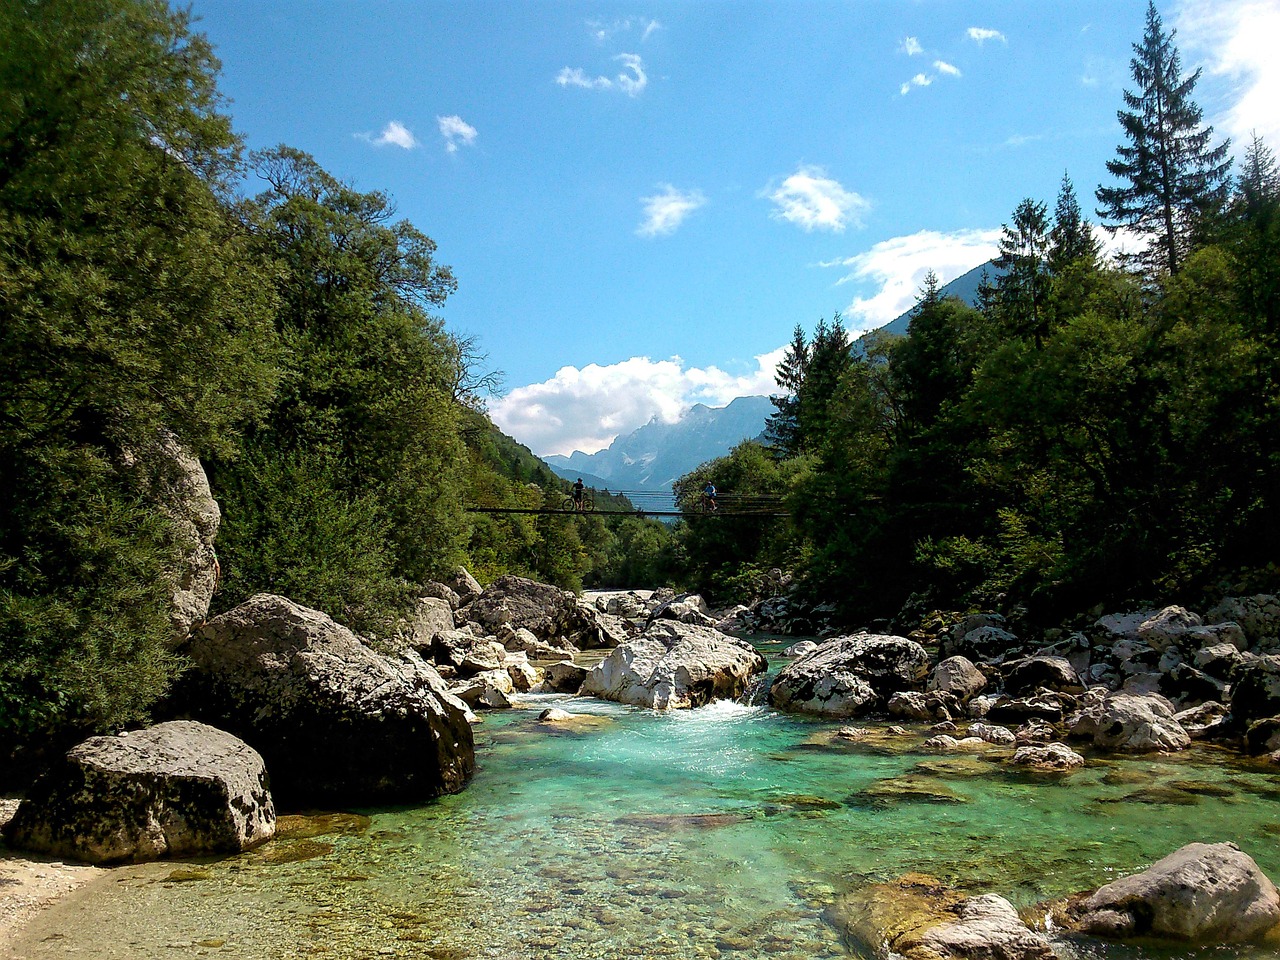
x,y
577,494
709,497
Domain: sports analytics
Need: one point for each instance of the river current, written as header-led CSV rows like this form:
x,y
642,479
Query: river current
x,y
723,832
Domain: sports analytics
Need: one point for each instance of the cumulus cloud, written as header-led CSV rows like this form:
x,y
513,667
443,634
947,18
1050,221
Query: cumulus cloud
x,y
911,46
813,201
665,211
631,81
982,34
456,132
919,80
946,68
1237,42
896,269
586,409
394,134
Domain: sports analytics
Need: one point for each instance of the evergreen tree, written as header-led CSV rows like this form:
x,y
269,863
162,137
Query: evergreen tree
x,y
1071,240
782,428
1023,287
1172,179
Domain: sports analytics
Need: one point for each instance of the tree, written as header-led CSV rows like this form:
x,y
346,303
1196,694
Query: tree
x,y
1071,241
782,429
1023,286
1172,179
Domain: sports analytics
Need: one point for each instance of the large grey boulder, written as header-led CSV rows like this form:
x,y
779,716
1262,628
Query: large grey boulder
x,y
1129,723
1255,693
1167,626
1204,892
850,676
178,789
674,665
1258,616
979,637
686,608
336,721
1026,676
464,585
958,677
431,617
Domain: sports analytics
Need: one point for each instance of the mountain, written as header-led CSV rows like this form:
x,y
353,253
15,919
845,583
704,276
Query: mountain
x,y
963,287
651,458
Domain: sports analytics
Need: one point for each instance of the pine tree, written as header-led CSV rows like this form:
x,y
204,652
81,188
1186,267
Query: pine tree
x,y
1172,179
782,430
1071,240
1022,289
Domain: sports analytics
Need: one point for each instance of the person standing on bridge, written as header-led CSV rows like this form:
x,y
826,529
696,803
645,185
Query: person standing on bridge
x,y
577,494
709,497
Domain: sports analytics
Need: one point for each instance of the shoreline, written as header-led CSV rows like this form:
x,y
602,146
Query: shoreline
x,y
30,887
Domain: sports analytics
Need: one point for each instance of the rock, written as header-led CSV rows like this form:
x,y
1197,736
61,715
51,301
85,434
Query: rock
x,y
177,789
441,591
1215,633
981,705
563,720
1205,893
1204,721
1258,616
675,665
849,676
524,676
490,690
1263,736
685,608
432,616
734,620
549,613
993,734
1046,705
1034,730
1051,756
1167,626
1130,723
957,676
1186,685
941,742
178,485
1219,659
1026,676
467,653
801,649
1115,626
1255,694
464,585
916,918
921,706
335,721
520,640
988,641
564,676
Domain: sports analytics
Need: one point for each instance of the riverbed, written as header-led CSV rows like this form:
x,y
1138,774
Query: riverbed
x,y
723,832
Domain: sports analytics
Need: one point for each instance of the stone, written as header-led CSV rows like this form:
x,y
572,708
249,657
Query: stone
x,y
993,734
1034,730
520,640
1186,685
918,706
1255,693
431,617
1046,705
1204,893
675,665
1026,676
552,615
957,676
1050,756
1219,659
986,642
177,789
490,690
335,721
467,653
916,918
1263,736
563,676
1129,723
524,675
801,649
1204,721
1167,626
1215,633
685,608
849,676
1257,616
1115,626
441,591
464,585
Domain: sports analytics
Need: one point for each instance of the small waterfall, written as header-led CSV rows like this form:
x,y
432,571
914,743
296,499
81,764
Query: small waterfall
x,y
757,691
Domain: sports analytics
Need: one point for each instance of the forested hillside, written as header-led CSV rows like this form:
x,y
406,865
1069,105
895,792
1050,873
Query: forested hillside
x,y
1092,432
282,325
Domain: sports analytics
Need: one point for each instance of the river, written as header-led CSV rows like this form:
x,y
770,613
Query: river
x,y
723,832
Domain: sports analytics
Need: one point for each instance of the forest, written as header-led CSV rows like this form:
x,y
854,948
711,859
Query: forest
x,y
1091,431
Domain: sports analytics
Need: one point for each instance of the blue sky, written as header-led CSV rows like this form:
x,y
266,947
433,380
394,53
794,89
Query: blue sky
x,y
641,200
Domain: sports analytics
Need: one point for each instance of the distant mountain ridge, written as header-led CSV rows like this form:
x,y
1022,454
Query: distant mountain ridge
x,y
655,455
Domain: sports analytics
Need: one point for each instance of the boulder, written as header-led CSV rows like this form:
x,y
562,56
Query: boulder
x,y
801,648
1033,731
177,789
1255,694
849,676
1129,723
522,641
441,591
552,615
918,706
993,734
1050,756
1116,626
1205,893
1204,721
980,638
1167,626
1045,705
1026,676
734,620
675,665
1257,616
489,690
564,676
916,918
467,653
464,585
524,675
1186,685
1219,659
686,608
957,676
335,721
432,616
1215,633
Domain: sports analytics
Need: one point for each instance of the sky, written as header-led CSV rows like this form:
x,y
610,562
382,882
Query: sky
x,y
641,200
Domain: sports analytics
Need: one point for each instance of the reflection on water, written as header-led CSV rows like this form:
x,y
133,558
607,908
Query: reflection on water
x,y
719,832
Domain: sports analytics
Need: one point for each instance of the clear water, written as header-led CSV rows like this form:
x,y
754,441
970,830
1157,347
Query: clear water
x,y
720,832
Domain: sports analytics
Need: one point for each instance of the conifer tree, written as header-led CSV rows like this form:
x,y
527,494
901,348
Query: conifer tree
x,y
782,429
1022,289
1071,240
1171,177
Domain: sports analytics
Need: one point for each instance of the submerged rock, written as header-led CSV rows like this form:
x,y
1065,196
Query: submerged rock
x,y
1207,893
178,789
675,665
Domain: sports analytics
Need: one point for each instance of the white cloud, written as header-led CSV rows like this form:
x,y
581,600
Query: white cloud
x,y
813,201
456,132
1237,41
919,80
949,69
665,211
911,46
394,134
631,81
982,34
604,31
897,268
586,409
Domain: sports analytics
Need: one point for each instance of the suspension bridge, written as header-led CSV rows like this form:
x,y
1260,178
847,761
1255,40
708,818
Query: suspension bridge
x,y
652,503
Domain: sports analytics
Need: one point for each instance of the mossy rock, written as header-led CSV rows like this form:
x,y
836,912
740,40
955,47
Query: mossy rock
x,y
1160,795
805,801
1203,788
1126,776
906,789
308,826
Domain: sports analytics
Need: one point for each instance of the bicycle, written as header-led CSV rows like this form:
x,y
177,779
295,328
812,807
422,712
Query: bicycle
x,y
569,505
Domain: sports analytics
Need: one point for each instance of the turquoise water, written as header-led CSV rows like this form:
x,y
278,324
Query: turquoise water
x,y
720,832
